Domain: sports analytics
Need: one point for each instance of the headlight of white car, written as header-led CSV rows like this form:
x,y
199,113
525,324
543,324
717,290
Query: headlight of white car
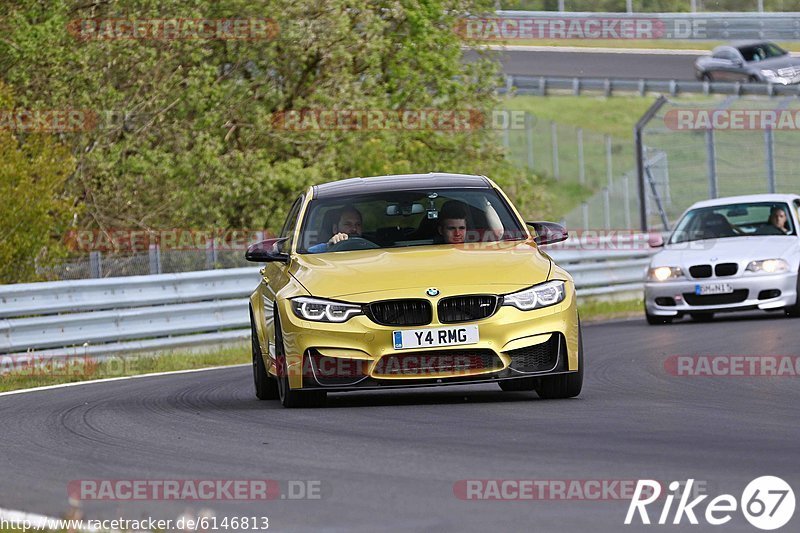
x,y
769,73
538,296
319,310
768,266
664,273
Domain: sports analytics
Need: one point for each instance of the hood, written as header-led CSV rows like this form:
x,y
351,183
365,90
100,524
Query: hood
x,y
739,250
408,272
775,63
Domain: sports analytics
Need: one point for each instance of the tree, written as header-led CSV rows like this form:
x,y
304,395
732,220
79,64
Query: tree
x,y
35,212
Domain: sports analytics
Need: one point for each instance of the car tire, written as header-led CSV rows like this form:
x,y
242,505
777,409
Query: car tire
x,y
518,385
706,77
266,386
794,310
563,385
655,320
289,397
702,317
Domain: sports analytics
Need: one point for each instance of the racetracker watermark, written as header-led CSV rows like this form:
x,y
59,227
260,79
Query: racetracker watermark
x,y
174,239
733,365
40,366
48,120
170,29
194,489
450,120
551,489
525,28
732,119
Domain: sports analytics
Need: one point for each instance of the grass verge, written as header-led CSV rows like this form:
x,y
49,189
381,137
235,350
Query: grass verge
x,y
595,310
19,374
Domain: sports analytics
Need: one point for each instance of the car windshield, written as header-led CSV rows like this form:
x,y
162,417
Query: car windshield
x,y
408,218
761,51
734,220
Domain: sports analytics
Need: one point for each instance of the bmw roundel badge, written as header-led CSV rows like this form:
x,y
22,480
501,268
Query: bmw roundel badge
x,y
433,291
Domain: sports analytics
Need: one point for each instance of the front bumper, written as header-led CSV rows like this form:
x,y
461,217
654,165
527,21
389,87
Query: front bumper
x,y
362,355
750,292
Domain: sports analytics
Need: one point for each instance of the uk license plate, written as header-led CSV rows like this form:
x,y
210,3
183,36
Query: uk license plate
x,y
431,337
713,288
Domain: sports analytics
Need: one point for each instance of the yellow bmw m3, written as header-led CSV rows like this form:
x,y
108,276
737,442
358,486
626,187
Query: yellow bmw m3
x,y
409,281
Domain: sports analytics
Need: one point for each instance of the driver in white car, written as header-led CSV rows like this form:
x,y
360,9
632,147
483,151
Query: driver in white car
x,y
348,225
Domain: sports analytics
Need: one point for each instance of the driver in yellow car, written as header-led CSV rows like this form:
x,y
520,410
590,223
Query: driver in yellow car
x,y
347,225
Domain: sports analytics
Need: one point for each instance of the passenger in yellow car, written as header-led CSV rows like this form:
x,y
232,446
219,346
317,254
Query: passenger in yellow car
x,y
347,225
453,223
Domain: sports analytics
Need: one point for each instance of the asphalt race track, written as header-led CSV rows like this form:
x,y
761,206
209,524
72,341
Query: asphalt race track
x,y
389,460
597,64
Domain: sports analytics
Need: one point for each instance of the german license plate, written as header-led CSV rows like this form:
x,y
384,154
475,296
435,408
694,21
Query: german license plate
x,y
430,337
713,288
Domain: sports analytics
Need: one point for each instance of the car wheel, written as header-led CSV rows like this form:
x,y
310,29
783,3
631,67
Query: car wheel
x,y
288,396
753,79
519,384
266,386
706,77
702,317
563,385
655,320
794,310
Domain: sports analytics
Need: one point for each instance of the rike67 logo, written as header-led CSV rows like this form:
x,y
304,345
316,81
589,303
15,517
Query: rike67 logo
x,y
767,503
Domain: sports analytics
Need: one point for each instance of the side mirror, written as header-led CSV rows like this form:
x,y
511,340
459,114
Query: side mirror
x,y
655,240
266,251
548,232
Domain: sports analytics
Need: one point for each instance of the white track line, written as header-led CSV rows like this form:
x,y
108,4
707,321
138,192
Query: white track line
x,y
106,380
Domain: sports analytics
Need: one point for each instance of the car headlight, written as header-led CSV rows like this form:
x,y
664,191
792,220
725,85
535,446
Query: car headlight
x,y
768,266
664,273
769,73
320,310
538,296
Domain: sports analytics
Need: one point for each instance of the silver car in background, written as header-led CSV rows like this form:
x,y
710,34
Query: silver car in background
x,y
727,254
749,61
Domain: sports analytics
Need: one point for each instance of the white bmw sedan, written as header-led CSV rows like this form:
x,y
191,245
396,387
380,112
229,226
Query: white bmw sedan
x,y
727,254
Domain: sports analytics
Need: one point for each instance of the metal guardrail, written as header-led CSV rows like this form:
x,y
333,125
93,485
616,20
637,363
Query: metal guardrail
x,y
97,317
541,85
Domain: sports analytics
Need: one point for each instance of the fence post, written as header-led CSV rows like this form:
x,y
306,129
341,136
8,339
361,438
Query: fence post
x,y
609,165
581,169
606,208
95,265
629,6
627,200
211,253
554,141
585,215
529,138
769,156
711,158
154,252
